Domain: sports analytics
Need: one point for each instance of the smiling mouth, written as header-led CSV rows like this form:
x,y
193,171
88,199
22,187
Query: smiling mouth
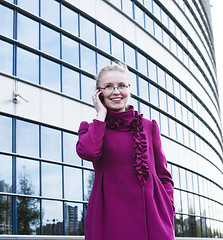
x,y
116,99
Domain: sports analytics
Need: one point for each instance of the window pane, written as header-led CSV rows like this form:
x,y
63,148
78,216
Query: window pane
x,y
142,64
173,46
134,103
88,62
156,11
130,56
5,175
88,184
190,181
191,203
50,144
70,82
50,41
162,100
186,137
28,31
148,4
31,6
6,23
169,83
51,16
51,180
184,202
127,7
143,89
144,109
87,30
166,40
133,83
172,125
103,39
186,226
183,180
149,24
74,219
175,175
88,87
50,74
72,183
185,115
102,62
158,32
6,214
27,176
152,71
27,65
161,77
28,216
153,95
179,225
69,20
178,111
117,48
177,200
6,134
164,125
165,19
171,104
6,57
70,51
27,138
155,115
139,16
52,217
180,133
69,150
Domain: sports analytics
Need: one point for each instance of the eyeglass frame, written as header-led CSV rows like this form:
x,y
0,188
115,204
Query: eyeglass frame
x,y
126,87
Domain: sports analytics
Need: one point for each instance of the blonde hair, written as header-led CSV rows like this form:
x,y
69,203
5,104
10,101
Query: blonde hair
x,y
118,66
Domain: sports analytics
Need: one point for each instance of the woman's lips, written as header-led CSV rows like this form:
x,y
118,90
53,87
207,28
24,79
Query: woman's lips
x,y
116,100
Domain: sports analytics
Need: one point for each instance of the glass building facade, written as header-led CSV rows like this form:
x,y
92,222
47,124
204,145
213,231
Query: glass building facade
x,y
50,52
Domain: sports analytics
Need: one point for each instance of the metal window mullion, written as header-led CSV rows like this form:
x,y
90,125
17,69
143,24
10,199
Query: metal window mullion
x,y
63,175
84,205
40,182
61,56
14,206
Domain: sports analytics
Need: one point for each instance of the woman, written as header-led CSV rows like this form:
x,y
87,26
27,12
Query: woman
x,y
132,194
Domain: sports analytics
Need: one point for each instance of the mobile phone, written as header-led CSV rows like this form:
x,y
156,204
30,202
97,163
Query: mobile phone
x,y
101,97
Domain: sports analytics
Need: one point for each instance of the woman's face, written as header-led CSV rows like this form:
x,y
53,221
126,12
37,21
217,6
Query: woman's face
x,y
115,99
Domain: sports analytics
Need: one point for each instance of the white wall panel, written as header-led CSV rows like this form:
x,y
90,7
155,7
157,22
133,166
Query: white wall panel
x,y
30,109
44,106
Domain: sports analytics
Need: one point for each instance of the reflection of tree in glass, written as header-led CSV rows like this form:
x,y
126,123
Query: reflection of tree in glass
x,y
90,185
178,225
27,208
5,210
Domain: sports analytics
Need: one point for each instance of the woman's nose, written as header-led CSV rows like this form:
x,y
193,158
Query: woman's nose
x,y
116,91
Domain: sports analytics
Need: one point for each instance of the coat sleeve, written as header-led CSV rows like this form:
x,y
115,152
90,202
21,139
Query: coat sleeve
x,y
161,162
89,144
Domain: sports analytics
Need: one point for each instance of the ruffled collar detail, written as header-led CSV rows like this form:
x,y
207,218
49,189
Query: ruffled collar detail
x,y
130,120
120,120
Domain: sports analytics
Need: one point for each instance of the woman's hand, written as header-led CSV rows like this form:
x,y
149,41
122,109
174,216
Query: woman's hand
x,y
99,106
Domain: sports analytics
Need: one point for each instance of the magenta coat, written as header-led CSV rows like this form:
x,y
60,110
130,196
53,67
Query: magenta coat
x,y
132,194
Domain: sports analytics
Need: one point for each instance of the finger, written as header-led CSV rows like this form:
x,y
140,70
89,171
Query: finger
x,y
95,93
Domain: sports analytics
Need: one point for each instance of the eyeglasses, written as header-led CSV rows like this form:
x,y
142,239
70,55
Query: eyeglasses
x,y
110,88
